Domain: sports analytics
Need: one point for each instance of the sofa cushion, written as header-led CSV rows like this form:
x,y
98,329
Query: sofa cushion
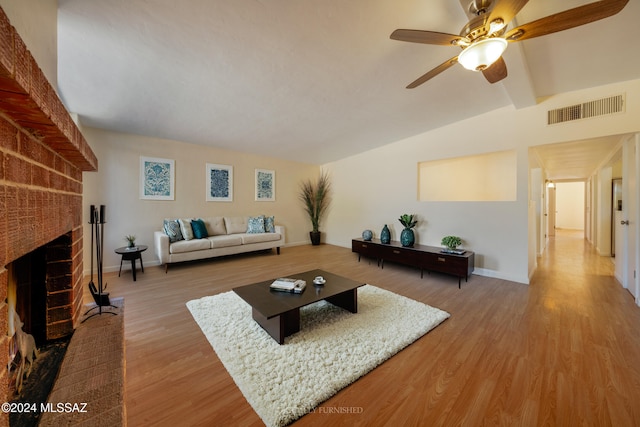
x,y
199,229
258,237
189,246
269,224
185,228
171,228
235,224
225,241
255,224
215,225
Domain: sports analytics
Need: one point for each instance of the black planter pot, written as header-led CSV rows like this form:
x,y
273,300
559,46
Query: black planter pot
x,y
315,237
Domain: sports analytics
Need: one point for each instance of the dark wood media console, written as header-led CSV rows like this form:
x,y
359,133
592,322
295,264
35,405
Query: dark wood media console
x,y
430,258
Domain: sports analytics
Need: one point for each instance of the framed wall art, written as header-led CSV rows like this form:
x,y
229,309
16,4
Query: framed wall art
x,y
157,178
265,185
219,183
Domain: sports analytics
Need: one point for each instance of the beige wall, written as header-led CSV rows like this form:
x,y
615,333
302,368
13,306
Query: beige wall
x,y
374,188
570,205
116,185
39,31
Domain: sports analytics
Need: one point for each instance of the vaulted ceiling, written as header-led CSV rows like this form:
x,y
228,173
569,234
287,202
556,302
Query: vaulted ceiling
x,y
311,81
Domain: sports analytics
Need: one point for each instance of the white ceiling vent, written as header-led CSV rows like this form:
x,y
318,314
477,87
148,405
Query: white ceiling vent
x,y
599,107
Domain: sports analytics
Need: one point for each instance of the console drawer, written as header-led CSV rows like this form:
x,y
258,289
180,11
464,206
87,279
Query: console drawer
x,y
460,266
399,255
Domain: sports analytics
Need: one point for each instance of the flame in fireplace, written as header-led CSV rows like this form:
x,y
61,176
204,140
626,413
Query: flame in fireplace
x,y
19,341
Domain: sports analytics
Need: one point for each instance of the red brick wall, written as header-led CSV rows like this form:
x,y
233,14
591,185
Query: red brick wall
x,y
42,157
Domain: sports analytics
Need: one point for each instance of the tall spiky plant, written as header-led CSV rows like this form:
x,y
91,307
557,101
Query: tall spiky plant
x,y
316,198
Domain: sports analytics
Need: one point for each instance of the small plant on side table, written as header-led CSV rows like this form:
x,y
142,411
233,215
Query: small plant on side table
x,y
131,239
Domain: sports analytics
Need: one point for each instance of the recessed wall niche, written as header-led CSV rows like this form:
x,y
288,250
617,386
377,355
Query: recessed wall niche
x,y
479,178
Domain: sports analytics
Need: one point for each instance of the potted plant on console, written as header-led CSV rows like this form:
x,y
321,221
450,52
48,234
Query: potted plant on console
x,y
407,237
316,199
451,242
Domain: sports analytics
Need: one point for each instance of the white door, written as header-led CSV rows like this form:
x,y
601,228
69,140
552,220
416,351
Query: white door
x,y
616,209
629,219
619,230
551,211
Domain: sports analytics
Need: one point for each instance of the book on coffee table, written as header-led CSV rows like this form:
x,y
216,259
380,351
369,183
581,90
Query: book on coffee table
x,y
282,284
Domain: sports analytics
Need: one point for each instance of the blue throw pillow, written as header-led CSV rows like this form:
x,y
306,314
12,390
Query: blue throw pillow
x,y
199,229
172,229
256,224
269,224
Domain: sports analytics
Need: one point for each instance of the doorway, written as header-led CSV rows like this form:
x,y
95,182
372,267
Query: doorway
x,y
570,206
616,213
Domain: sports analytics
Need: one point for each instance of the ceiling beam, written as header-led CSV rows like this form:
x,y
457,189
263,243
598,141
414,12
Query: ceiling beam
x,y
518,84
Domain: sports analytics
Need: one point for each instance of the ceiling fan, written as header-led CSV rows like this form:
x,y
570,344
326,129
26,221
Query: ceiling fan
x,y
485,37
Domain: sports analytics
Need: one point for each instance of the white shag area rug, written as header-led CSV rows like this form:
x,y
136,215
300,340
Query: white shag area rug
x,y
333,348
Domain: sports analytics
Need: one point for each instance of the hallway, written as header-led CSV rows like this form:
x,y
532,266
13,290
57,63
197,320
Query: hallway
x,y
570,252
592,325
585,276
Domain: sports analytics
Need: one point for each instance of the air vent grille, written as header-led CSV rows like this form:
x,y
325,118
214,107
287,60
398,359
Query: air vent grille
x,y
599,107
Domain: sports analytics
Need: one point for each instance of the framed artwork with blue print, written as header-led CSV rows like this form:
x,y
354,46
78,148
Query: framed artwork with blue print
x,y
219,183
265,185
157,178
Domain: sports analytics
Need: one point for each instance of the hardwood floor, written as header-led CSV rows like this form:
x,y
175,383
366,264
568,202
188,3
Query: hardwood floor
x,y
562,351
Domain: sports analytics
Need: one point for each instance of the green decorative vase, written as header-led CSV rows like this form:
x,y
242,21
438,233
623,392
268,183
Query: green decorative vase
x,y
407,238
385,235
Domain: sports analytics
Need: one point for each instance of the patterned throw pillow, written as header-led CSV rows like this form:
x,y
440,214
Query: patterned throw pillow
x,y
199,229
172,229
185,227
256,224
269,224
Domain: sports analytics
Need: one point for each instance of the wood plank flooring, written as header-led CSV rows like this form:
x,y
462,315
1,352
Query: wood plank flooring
x,y
562,351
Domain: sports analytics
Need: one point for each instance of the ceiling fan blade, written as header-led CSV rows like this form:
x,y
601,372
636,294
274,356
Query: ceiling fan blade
x,y
568,19
507,10
496,71
431,74
426,37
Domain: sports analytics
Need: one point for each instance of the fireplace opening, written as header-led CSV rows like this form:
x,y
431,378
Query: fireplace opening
x,y
40,323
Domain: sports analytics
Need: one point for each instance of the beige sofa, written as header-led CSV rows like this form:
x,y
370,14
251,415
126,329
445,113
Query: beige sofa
x,y
224,236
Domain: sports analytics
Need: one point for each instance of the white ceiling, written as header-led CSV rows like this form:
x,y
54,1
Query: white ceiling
x,y
576,160
311,81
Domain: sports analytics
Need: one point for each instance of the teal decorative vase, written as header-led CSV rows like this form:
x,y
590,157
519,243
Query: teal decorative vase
x,y
407,238
367,235
385,235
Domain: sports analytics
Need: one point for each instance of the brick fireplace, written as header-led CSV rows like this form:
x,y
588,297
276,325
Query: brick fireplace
x,y
42,157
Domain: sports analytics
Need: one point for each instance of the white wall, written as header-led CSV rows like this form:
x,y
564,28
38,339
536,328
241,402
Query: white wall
x,y
38,30
374,188
115,185
537,201
570,205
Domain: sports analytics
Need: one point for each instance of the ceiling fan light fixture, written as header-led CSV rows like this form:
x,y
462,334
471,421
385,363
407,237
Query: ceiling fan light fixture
x,y
481,54
496,25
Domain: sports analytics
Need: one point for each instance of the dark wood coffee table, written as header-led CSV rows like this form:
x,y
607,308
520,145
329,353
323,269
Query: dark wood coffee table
x,y
279,312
